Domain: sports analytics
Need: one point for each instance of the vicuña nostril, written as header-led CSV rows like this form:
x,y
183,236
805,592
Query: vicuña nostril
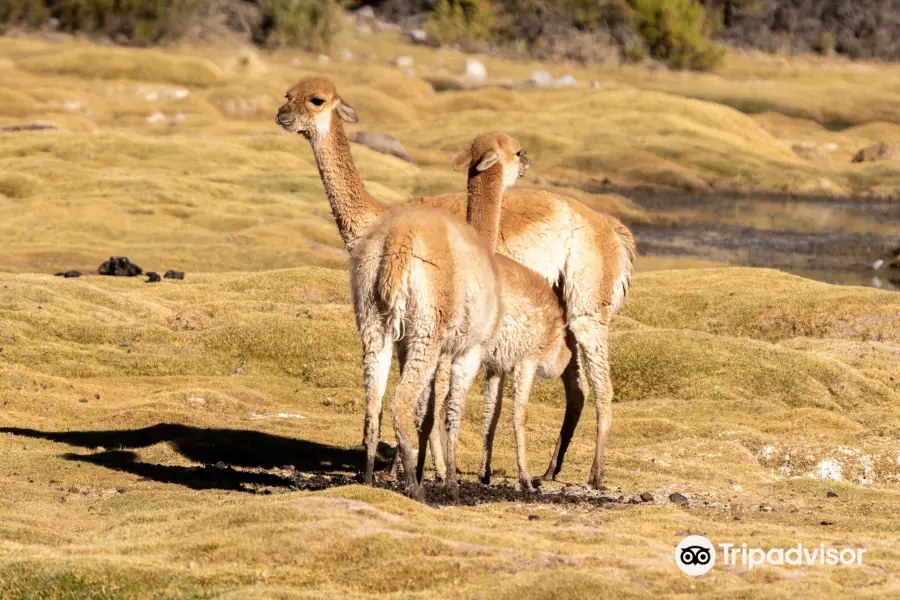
x,y
284,117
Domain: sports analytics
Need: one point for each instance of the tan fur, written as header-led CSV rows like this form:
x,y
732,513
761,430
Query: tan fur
x,y
430,271
531,338
588,257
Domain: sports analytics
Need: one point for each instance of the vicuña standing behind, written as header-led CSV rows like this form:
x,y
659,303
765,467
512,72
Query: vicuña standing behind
x,y
532,334
587,256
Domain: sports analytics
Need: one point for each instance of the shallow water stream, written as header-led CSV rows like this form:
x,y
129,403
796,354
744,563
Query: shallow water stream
x,y
823,239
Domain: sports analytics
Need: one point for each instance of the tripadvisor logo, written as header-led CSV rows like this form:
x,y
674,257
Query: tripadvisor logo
x,y
696,555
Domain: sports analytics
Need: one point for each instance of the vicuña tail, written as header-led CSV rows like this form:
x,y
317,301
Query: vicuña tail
x,y
393,280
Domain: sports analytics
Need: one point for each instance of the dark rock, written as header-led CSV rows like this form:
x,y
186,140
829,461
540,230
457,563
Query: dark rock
x,y
647,497
174,274
533,517
381,142
678,498
827,523
119,266
69,274
153,277
875,152
831,494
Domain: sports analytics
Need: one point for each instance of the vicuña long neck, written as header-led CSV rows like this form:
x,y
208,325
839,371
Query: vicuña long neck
x,y
483,208
353,208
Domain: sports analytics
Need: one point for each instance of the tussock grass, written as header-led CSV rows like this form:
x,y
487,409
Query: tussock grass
x,y
118,398
114,356
147,65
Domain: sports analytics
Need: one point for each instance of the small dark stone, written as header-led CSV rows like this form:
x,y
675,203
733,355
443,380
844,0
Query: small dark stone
x,y
221,465
827,523
83,400
69,274
120,490
119,266
97,396
831,494
647,497
153,277
606,181
678,498
170,274
533,517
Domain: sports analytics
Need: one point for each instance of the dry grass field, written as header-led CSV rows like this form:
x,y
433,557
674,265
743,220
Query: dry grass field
x,y
198,438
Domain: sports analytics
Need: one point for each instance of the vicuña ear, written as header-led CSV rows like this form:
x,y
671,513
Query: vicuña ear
x,y
462,161
487,160
346,112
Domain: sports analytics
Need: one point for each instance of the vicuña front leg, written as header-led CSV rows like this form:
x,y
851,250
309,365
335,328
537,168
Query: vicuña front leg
x,y
493,403
523,376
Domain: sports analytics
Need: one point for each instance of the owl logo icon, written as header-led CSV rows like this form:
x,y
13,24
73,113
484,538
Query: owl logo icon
x,y
695,555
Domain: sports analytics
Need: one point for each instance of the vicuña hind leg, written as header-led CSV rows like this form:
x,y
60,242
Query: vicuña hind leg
x,y
493,403
593,337
421,361
463,372
575,384
428,397
434,409
523,376
377,350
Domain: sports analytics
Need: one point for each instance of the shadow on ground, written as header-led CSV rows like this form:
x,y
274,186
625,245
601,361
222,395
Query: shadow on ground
x,y
256,462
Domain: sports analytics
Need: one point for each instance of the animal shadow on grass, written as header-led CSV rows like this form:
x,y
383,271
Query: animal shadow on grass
x,y
255,462
220,450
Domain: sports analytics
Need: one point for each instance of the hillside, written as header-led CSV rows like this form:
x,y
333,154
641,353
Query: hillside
x,y
199,438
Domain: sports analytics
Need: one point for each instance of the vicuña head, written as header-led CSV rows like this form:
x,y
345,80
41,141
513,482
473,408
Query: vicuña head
x,y
491,148
494,161
310,107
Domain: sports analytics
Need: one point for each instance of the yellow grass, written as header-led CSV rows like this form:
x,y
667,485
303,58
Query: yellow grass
x,y
119,398
729,390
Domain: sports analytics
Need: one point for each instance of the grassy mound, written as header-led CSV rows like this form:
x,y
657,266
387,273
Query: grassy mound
x,y
198,438
119,398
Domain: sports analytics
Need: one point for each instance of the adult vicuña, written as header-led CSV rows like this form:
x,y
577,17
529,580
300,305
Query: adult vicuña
x,y
531,338
588,257
419,276
423,278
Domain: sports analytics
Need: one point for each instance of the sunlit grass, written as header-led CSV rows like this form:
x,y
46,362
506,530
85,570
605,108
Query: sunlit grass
x,y
731,385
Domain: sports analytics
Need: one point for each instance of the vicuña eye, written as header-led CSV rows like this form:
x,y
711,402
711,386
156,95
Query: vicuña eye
x,y
317,101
